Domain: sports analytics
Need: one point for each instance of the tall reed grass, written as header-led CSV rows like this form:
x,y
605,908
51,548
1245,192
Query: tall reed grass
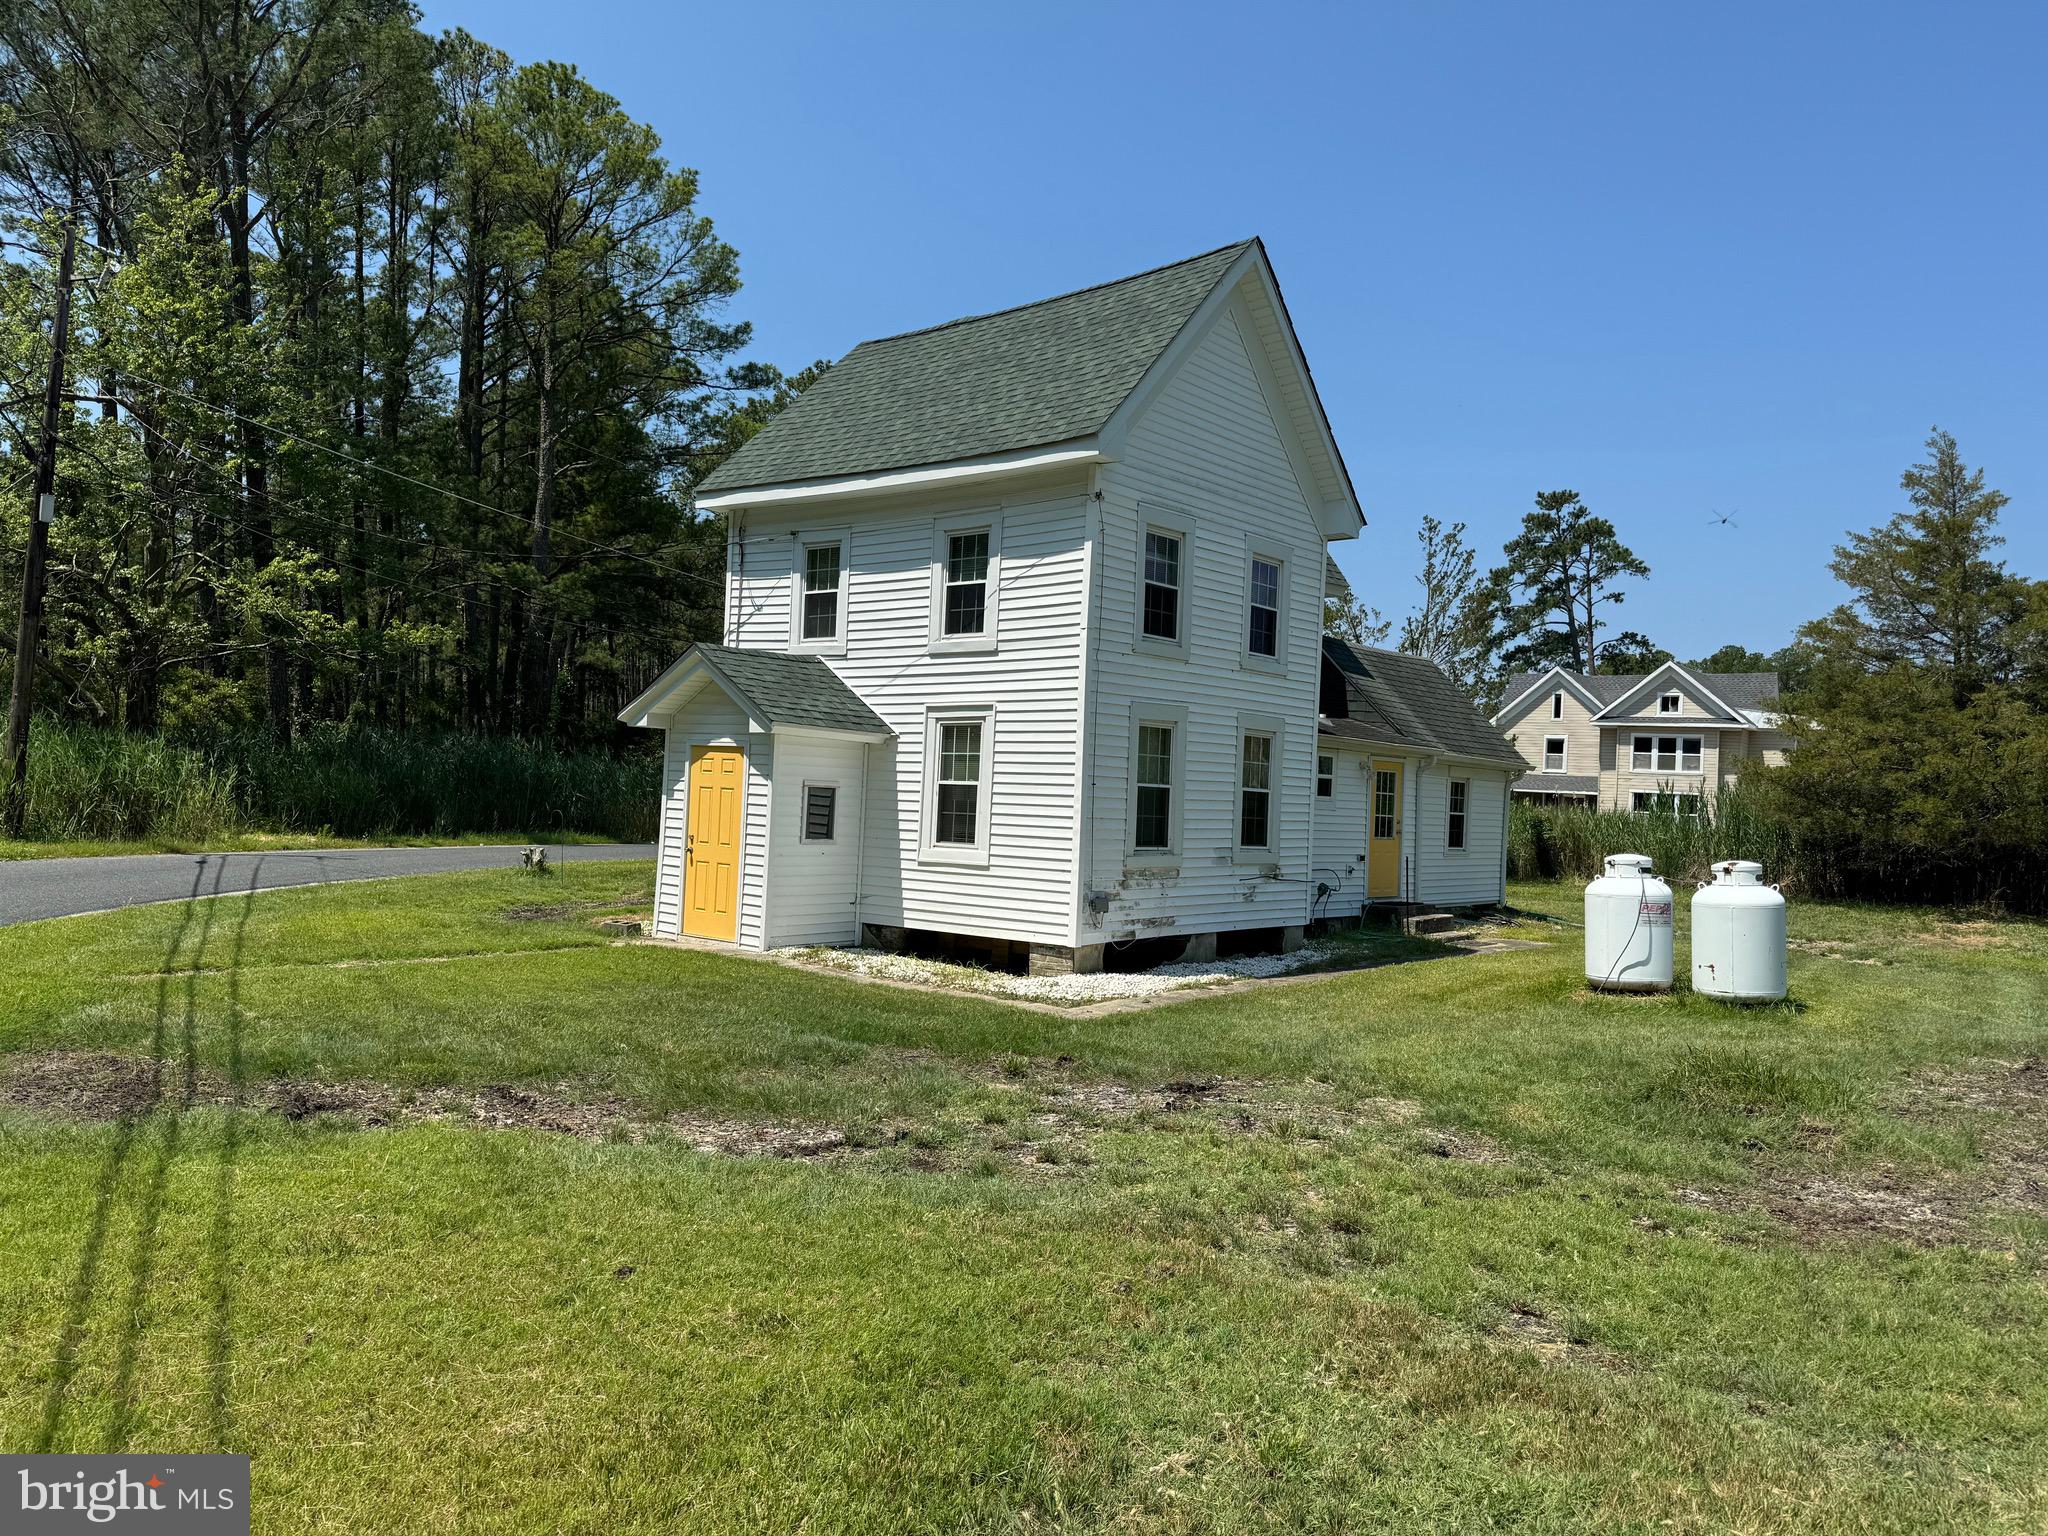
x,y
1550,843
91,784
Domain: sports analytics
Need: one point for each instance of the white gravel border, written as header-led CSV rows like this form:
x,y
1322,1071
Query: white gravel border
x,y
1100,988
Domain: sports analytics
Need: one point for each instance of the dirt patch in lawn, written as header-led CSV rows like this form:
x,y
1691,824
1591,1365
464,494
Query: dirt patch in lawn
x,y
542,912
2002,1104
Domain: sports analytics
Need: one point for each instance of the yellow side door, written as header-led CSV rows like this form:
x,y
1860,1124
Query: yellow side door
x,y
1383,830
711,852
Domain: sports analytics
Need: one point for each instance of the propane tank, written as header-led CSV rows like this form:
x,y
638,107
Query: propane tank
x,y
1628,927
1738,936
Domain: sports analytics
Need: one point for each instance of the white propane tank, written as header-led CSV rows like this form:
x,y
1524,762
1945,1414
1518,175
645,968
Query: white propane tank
x,y
1738,935
1628,927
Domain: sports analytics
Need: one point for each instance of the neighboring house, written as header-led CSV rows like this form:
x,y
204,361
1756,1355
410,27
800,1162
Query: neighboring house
x,y
1023,645
1669,739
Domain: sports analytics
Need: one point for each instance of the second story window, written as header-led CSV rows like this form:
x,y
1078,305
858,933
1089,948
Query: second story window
x,y
1162,586
1553,754
966,602
1668,704
821,592
1264,639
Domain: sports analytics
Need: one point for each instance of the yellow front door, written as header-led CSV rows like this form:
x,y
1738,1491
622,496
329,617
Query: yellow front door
x,y
711,851
1383,831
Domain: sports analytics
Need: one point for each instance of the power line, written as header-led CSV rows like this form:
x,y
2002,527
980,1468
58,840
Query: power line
x,y
346,458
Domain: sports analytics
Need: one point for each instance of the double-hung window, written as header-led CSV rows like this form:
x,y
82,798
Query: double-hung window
x,y
1154,831
959,745
966,580
818,616
1666,754
1647,801
1553,754
1326,775
1454,824
1255,792
1161,619
1262,637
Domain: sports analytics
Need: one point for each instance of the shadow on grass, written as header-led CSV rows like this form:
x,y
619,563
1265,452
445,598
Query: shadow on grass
x,y
172,1048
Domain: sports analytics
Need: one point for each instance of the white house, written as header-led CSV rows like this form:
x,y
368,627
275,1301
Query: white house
x,y
1023,648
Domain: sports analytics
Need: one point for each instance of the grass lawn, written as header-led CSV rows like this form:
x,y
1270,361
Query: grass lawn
x,y
271,842
1445,1244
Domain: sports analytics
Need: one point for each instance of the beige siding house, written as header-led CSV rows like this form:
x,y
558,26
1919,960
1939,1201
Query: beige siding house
x,y
1670,739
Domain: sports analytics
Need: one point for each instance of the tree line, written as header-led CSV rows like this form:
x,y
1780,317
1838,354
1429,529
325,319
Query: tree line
x,y
392,362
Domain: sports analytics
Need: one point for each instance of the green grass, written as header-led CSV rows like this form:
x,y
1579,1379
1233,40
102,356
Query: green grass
x,y
1179,1326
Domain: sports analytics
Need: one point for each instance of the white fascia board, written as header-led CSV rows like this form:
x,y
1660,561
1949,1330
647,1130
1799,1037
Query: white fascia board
x,y
832,733
1570,683
1341,519
1085,450
1654,680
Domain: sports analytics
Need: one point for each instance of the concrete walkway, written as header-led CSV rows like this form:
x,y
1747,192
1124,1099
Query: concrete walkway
x,y
32,889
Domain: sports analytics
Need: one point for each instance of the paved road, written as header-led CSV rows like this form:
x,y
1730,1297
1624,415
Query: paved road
x,y
39,888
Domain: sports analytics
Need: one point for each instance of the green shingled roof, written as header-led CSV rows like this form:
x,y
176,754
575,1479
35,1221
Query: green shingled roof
x,y
788,690
1403,700
1021,378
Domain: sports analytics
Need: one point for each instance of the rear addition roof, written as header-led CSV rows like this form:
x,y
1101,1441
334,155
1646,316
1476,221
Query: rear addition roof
x,y
1403,700
1029,377
1557,784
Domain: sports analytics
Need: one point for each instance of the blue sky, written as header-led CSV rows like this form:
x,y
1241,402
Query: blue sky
x,y
1687,260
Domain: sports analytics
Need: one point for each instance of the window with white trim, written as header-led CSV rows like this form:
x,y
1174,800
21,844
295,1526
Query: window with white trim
x,y
1554,754
1161,597
1326,775
1255,791
1454,815
1666,754
1262,636
1557,705
817,620
959,746
1153,828
966,582
1667,704
1664,803
821,812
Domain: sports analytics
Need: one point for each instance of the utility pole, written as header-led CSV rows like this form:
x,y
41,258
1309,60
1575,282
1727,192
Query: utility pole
x,y
28,637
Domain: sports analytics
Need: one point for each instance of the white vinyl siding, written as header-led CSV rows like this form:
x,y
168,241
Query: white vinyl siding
x,y
1339,859
1457,879
1206,455
1026,891
810,886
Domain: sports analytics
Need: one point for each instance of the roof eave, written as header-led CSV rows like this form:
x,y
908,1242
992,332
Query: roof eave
x,y
642,712
1075,453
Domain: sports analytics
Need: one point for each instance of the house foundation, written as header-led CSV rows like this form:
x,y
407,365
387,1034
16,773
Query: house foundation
x,y
1061,960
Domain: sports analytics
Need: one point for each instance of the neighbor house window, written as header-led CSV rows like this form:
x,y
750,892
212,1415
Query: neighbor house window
x,y
1264,637
821,805
1666,754
1255,792
1454,825
1557,705
1553,754
958,747
1162,585
1668,704
1326,775
1154,829
1665,803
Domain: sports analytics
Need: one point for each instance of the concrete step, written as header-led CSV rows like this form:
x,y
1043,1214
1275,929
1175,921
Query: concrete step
x,y
1422,925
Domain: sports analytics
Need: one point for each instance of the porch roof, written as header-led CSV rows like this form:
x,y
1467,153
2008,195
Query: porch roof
x,y
780,690
1557,784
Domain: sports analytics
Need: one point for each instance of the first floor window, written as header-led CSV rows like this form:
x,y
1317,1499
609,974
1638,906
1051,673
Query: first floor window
x,y
1154,830
1665,803
1553,754
1454,828
1162,586
1265,623
821,591
821,805
958,814
966,605
1326,775
1255,793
